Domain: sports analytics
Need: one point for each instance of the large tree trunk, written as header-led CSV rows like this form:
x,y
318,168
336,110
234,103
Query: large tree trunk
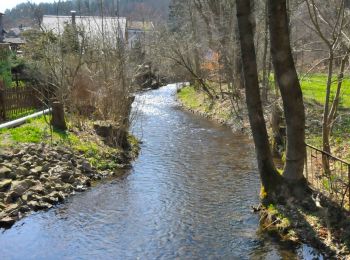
x,y
268,173
289,85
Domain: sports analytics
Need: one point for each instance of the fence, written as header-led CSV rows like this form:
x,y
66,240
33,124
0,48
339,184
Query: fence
x,y
19,101
333,182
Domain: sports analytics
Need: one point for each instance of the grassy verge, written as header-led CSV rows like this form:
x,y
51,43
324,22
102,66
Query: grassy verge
x,y
84,141
218,109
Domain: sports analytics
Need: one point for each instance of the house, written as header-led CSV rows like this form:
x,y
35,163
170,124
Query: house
x,y
138,31
94,26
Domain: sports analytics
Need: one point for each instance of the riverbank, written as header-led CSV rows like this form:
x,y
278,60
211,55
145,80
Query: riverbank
x,y
325,227
40,168
219,110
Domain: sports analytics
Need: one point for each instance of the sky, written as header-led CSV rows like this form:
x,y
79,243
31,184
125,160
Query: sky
x,y
8,4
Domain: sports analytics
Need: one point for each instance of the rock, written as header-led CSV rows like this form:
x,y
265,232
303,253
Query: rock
x,y
5,185
2,206
11,197
80,188
24,209
39,188
50,199
7,221
70,180
4,172
35,205
22,186
22,171
26,164
36,171
86,166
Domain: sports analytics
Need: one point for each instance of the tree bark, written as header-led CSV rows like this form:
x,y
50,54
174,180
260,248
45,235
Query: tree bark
x,y
290,89
268,173
58,121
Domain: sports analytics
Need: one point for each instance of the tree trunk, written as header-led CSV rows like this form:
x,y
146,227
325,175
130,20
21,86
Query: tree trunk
x,y
325,123
335,103
290,89
268,173
265,50
58,121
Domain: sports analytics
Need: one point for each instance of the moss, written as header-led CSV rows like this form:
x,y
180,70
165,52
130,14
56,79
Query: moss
x,y
263,193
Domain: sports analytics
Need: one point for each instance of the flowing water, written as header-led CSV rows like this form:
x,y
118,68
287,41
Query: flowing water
x,y
188,196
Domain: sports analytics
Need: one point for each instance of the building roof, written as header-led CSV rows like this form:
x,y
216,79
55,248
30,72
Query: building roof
x,y
140,25
93,25
14,41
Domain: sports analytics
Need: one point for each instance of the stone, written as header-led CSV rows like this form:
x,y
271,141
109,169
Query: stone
x,y
36,171
39,188
50,199
22,171
36,205
4,172
11,197
5,184
24,209
86,166
70,180
22,186
7,221
26,164
80,188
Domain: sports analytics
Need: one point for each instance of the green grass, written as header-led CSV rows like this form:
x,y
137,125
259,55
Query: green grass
x,y
314,89
37,130
22,114
190,97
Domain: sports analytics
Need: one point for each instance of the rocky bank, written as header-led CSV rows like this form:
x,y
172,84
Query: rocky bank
x,y
37,176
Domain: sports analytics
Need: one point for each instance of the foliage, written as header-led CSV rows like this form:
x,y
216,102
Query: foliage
x,y
5,67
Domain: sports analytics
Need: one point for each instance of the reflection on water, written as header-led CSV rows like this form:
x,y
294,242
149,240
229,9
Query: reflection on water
x,y
188,196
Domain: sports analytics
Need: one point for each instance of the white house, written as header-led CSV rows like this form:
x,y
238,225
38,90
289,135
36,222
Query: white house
x,y
94,26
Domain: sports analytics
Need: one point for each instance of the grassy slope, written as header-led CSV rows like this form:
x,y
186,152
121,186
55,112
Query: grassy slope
x,y
197,101
314,94
314,89
37,130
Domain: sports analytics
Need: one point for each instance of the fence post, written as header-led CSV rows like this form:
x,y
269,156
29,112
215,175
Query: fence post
x,y
306,166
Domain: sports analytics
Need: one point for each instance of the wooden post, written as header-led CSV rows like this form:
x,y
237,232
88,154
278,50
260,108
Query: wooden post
x,y
57,120
306,166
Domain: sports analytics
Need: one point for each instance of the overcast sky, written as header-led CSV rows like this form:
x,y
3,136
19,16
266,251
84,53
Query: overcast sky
x,y
8,4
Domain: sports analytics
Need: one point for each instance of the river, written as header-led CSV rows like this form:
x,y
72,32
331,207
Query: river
x,y
188,196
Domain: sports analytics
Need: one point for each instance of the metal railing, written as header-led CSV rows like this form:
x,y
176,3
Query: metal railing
x,y
333,182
